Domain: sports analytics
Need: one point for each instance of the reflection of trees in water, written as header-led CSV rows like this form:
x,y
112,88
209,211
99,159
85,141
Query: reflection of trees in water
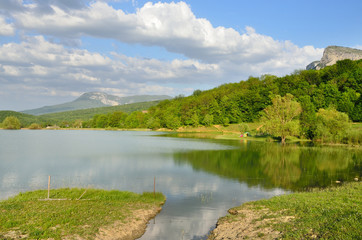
x,y
281,164
272,165
332,160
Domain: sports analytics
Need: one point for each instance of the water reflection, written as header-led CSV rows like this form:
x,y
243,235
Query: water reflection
x,y
200,178
270,165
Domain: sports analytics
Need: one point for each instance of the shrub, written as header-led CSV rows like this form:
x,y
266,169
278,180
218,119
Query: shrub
x,y
11,122
35,126
331,126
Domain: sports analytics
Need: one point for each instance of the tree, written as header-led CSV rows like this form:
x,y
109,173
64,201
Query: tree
x,y
102,121
280,118
307,117
208,120
11,122
194,120
172,122
115,119
331,125
153,123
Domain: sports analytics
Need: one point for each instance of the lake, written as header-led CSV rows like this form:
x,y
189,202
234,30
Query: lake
x,y
201,178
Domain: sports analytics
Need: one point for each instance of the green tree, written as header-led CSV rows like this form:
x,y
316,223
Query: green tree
x,y
102,121
115,119
208,120
331,125
172,122
153,123
11,122
307,117
195,120
196,92
281,118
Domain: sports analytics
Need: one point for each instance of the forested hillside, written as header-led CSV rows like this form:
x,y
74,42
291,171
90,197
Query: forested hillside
x,y
25,119
339,85
86,114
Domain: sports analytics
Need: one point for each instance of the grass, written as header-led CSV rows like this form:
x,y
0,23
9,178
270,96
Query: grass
x,y
27,215
333,213
232,132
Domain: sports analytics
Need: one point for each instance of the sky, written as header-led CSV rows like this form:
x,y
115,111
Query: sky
x,y
52,51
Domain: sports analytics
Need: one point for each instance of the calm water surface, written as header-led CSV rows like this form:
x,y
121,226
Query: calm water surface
x,y
200,178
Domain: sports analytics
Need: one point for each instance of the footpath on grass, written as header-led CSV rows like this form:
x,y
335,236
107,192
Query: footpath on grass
x,y
78,214
332,213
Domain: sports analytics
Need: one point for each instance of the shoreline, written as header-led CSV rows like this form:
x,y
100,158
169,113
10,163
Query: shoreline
x,y
304,215
222,135
78,214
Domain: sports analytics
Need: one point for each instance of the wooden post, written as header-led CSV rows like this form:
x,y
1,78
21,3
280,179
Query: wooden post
x,y
154,187
48,186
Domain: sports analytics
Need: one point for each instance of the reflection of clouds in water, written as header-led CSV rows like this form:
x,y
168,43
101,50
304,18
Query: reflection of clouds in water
x,y
197,223
9,180
130,161
196,210
38,180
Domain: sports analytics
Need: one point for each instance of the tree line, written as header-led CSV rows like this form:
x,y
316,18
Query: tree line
x,y
336,87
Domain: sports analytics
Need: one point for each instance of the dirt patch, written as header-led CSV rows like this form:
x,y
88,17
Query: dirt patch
x,y
132,228
13,235
247,223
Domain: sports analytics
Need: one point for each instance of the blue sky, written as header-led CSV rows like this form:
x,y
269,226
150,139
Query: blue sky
x,y
52,51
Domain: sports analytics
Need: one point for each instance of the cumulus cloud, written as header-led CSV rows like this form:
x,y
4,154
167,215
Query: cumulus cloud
x,y
40,67
53,62
169,25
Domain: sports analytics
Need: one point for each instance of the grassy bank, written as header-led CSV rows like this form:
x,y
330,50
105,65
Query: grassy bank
x,y
353,137
333,213
73,212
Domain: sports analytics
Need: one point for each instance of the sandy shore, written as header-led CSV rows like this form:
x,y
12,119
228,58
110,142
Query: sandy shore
x,y
132,228
246,223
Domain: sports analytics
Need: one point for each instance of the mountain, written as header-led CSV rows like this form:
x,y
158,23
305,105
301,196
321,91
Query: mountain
x,y
332,54
94,100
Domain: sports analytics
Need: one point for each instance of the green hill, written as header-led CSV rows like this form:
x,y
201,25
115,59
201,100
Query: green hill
x,y
86,114
70,116
26,119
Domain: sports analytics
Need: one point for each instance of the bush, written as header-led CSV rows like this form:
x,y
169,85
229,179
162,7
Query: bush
x,y
331,126
35,126
11,122
353,137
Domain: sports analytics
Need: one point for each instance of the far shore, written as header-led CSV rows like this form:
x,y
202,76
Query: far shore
x,y
230,132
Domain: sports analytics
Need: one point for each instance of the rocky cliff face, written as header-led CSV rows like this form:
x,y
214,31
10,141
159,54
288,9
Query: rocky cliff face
x,y
332,54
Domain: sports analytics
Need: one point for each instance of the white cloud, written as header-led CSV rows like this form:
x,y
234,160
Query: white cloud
x,y
214,55
6,29
169,25
44,68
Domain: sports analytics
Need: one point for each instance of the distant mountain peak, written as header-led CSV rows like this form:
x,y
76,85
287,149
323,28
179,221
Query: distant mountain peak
x,y
332,54
106,99
94,100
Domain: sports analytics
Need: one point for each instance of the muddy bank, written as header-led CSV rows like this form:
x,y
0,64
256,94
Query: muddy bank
x,y
247,223
132,228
